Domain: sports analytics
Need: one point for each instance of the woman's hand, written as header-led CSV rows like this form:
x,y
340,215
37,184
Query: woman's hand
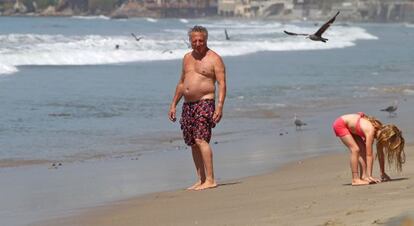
x,y
385,177
372,180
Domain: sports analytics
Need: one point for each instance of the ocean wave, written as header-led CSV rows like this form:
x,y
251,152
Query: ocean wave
x,y
408,92
7,69
406,89
269,106
101,17
409,25
44,49
152,20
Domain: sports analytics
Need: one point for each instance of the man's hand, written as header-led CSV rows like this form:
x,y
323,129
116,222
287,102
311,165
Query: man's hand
x,y
217,115
171,114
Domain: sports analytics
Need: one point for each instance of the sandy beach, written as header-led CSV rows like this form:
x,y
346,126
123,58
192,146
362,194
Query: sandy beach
x,y
314,191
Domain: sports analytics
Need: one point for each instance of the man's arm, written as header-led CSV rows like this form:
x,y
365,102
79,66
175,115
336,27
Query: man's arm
x,y
220,73
177,97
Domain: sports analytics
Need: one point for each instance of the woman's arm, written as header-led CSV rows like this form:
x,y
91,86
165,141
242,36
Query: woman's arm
x,y
369,156
381,162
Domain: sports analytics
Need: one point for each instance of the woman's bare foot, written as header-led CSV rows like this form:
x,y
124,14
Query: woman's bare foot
x,y
194,186
206,185
356,182
372,180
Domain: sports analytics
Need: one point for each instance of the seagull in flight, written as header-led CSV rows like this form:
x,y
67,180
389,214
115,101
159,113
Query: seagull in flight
x,y
391,109
317,36
136,38
227,35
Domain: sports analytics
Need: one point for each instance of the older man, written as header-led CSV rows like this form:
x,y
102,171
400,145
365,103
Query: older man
x,y
201,69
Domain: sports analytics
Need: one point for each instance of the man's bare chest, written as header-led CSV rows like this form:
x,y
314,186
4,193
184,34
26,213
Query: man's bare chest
x,y
201,68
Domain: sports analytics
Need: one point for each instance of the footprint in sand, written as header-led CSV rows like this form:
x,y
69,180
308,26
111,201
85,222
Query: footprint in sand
x,y
333,223
310,205
378,221
354,212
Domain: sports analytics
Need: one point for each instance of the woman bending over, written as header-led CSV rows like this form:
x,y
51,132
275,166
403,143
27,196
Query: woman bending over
x,y
358,132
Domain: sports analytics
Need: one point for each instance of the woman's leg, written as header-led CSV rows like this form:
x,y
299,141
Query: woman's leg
x,y
353,147
362,156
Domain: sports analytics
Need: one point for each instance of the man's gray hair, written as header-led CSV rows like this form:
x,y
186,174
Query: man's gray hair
x,y
198,28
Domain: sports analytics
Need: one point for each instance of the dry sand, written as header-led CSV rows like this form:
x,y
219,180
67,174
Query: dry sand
x,y
315,191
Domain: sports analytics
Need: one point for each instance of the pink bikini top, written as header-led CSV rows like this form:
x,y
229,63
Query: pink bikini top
x,y
358,129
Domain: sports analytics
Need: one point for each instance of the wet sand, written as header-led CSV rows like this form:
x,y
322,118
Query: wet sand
x,y
314,191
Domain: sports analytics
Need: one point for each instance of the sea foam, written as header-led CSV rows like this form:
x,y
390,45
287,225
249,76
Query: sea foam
x,y
246,38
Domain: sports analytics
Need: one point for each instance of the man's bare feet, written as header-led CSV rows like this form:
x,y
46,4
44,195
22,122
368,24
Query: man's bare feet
x,y
206,185
356,182
194,186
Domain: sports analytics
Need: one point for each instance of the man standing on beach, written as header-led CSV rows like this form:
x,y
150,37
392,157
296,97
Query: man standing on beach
x,y
201,69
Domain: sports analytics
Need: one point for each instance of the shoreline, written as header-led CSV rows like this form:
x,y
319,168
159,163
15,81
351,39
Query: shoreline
x,y
314,191
265,123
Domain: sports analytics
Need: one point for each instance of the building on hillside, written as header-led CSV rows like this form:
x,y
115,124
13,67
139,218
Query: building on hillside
x,y
253,8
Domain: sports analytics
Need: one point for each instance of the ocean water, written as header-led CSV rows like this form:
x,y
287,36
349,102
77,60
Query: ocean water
x,y
68,95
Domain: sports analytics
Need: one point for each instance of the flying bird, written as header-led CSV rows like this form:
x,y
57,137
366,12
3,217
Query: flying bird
x,y
136,38
227,35
298,123
317,36
391,109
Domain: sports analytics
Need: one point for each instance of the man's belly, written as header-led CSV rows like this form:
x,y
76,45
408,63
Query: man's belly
x,y
195,93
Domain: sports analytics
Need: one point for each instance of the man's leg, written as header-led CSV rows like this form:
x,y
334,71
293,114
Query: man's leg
x,y
207,158
198,162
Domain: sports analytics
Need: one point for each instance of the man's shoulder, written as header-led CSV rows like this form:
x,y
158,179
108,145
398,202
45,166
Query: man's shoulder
x,y
188,54
187,57
213,55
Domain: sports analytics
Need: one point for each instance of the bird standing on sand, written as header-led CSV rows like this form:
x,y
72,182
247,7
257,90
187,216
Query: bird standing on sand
x,y
317,36
391,109
298,123
136,38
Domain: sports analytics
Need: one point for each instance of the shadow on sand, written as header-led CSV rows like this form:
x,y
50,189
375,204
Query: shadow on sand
x,y
392,180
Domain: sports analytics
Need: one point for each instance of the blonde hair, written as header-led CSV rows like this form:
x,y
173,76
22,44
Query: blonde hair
x,y
390,142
